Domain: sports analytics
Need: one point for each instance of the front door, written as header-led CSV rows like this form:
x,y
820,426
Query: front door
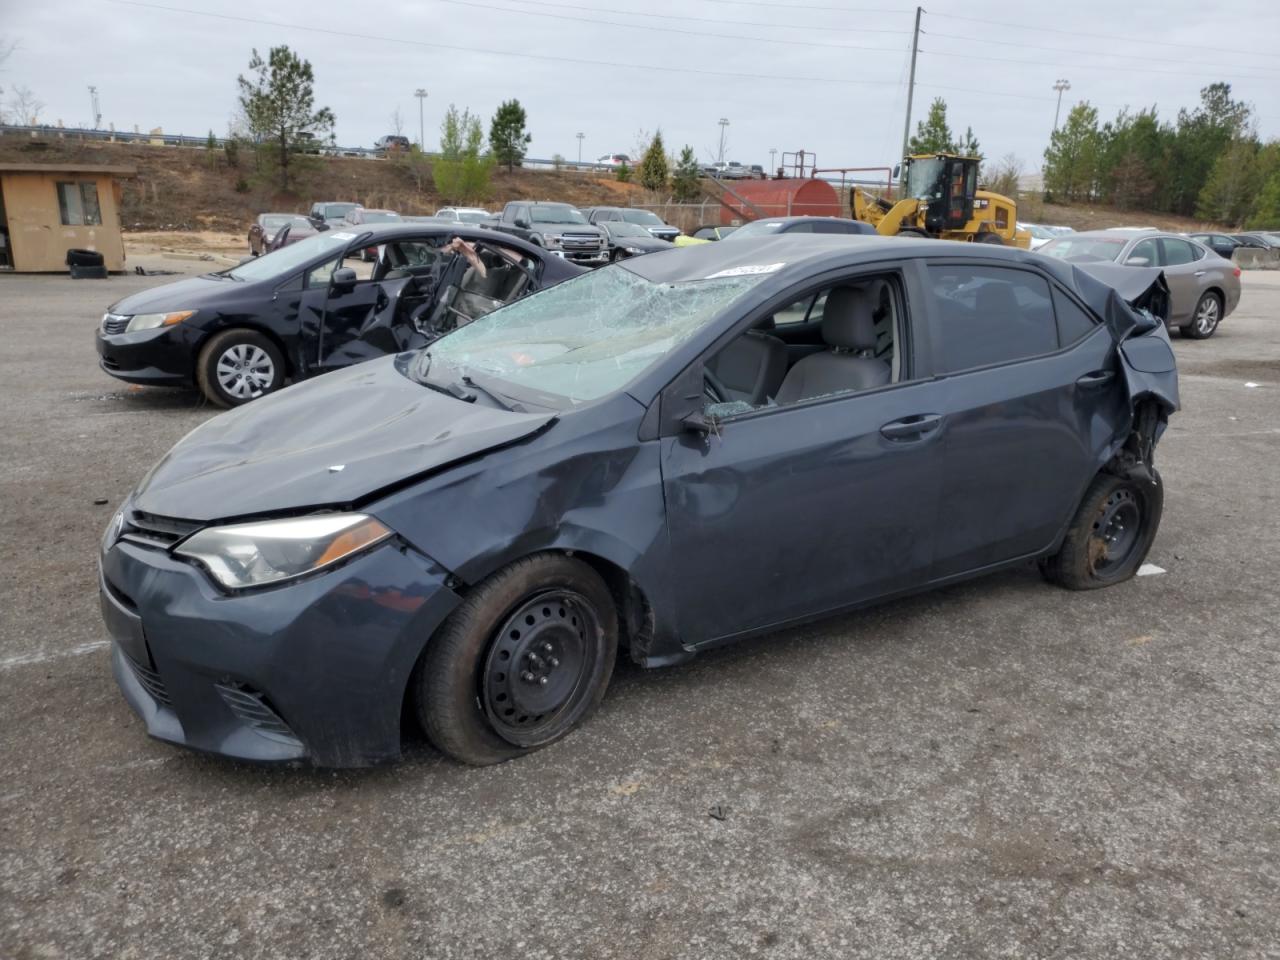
x,y
1183,265
823,502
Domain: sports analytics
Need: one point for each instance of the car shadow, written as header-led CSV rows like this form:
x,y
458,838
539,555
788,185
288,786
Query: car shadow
x,y
129,398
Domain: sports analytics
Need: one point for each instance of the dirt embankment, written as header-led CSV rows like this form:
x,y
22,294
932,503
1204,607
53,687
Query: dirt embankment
x,y
183,188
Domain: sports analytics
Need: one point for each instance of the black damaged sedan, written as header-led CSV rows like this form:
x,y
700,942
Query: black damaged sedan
x,y
313,307
664,455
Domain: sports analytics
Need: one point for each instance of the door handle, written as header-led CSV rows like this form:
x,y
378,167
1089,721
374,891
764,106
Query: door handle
x,y
911,428
1096,379
1200,273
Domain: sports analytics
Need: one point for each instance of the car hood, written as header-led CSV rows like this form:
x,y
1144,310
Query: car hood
x,y
558,228
332,441
190,294
643,243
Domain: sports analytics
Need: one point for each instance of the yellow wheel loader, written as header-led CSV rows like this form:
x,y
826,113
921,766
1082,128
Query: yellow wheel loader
x,y
940,198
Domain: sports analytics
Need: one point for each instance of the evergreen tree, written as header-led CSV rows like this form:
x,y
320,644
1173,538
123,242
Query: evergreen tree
x,y
623,172
653,165
685,182
1265,214
968,145
508,138
279,103
932,133
1233,184
1071,160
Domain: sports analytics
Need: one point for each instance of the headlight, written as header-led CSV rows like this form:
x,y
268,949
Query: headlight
x,y
112,533
554,241
253,554
148,321
631,250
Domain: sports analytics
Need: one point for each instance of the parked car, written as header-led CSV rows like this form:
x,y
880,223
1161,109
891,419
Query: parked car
x,y
713,232
465,214
390,144
558,227
1221,244
628,239
326,213
1204,287
640,462
267,227
645,218
1268,241
1040,235
615,159
361,216
775,225
241,333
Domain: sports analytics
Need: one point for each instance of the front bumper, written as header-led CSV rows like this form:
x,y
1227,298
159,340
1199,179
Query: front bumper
x,y
313,670
584,256
164,356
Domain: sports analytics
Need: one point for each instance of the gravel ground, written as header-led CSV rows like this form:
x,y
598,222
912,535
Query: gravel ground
x,y
999,769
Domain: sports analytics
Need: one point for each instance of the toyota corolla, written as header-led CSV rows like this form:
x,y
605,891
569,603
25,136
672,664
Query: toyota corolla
x,y
671,453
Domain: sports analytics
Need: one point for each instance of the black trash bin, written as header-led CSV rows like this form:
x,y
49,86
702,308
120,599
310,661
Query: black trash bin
x,y
86,265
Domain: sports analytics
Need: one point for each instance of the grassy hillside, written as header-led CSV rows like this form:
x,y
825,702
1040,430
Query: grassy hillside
x,y
185,189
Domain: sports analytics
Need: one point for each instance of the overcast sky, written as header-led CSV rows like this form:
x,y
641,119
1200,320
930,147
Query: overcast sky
x,y
837,86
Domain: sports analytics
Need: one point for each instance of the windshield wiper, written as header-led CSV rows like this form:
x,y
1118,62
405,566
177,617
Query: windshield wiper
x,y
464,388
499,399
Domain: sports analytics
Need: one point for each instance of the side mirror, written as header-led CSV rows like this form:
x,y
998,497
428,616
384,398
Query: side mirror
x,y
1138,262
344,278
897,170
522,223
699,423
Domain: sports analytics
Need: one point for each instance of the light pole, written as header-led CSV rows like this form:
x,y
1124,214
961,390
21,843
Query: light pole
x,y
1059,85
421,94
723,123
580,138
773,170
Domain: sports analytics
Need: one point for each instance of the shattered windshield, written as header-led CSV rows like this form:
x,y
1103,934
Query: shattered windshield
x,y
589,336
550,213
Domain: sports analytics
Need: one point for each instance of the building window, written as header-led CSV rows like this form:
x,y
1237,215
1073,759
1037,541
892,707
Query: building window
x,y
78,204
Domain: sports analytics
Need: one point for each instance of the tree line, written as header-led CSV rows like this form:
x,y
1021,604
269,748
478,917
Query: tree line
x,y
1208,163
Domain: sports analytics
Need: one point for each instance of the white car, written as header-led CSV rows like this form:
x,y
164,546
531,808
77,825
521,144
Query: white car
x,y
615,160
464,215
1040,235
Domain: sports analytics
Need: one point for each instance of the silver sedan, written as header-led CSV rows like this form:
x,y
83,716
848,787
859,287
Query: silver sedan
x,y
1204,287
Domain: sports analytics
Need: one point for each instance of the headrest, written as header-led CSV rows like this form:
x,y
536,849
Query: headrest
x,y
848,319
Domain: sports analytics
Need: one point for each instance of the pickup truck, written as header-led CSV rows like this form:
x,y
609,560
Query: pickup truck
x,y
558,227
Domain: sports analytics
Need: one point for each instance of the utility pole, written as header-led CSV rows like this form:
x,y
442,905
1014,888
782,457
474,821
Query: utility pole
x,y
1059,85
723,123
911,84
421,94
773,169
580,136
97,111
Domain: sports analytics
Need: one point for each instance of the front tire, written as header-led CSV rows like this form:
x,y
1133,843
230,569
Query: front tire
x,y
522,662
1205,320
237,366
1110,535
988,238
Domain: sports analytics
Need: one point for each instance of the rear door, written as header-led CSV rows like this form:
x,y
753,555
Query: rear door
x,y
1030,406
1184,271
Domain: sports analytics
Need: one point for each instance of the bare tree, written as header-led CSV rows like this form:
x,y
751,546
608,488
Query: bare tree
x,y
397,122
1002,178
25,106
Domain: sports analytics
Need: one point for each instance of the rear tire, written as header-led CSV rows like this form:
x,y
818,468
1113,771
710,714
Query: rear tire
x,y
237,366
1110,535
520,664
1205,320
988,238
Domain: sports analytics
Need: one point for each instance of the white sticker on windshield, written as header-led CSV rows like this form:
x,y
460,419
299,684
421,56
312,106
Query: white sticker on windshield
x,y
343,236
749,269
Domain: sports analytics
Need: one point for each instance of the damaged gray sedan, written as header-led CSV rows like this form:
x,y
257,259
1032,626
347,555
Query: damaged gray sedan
x,y
665,455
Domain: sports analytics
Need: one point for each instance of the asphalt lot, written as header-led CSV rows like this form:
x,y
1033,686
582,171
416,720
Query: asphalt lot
x,y
1000,769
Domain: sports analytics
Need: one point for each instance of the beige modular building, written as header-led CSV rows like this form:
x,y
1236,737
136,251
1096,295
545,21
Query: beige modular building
x,y
47,209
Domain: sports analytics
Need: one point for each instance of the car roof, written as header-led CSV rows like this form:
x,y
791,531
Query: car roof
x,y
786,253
382,232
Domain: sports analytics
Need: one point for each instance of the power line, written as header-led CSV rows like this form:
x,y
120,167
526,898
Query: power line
x,y
719,21
1088,53
1039,28
688,33
347,34
1047,63
802,6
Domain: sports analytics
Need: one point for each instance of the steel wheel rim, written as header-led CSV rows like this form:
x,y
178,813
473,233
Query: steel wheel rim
x,y
245,371
1116,531
1207,315
537,675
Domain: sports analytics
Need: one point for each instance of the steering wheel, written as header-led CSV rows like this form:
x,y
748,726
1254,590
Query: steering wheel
x,y
712,388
